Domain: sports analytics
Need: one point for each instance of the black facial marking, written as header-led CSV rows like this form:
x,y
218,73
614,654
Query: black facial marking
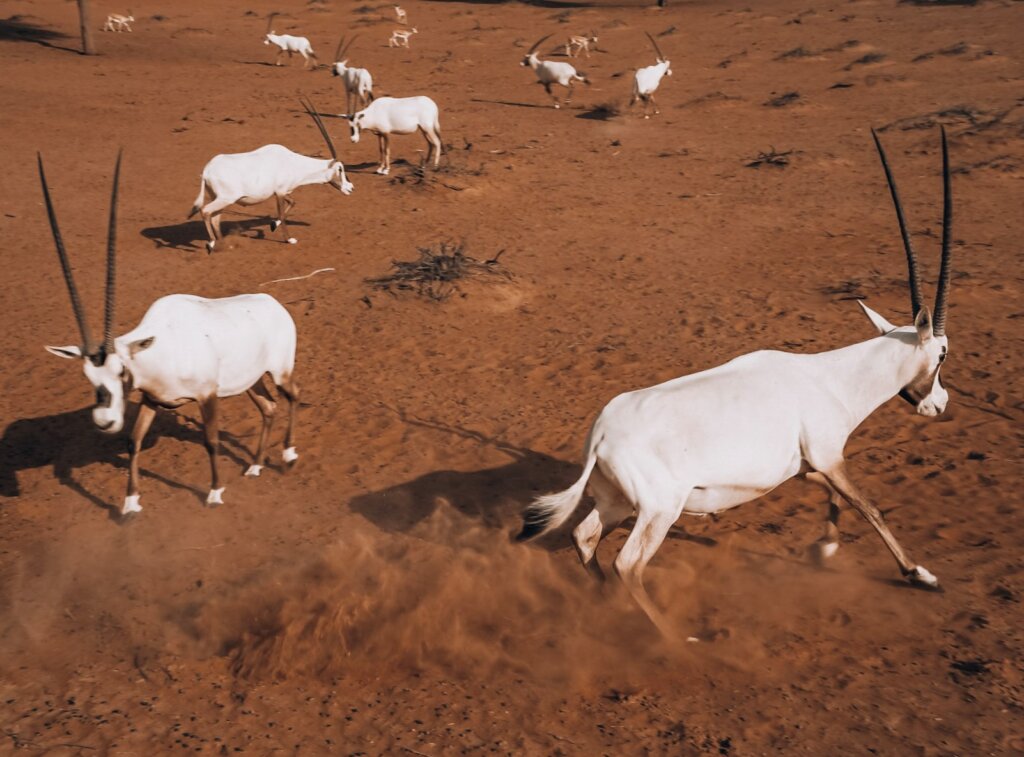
x,y
103,397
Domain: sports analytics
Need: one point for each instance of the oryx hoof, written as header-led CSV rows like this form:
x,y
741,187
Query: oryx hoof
x,y
292,240
274,225
215,497
821,551
209,247
646,116
254,470
289,456
557,106
383,171
131,505
922,577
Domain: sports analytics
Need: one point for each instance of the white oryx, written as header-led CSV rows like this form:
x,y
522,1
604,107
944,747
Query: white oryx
x,y
578,43
647,79
713,440
400,37
398,115
247,178
550,72
401,15
186,349
118,23
358,82
287,43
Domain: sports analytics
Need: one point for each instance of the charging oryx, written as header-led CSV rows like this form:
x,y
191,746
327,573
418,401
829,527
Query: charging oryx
x,y
247,178
287,43
713,440
647,79
550,72
185,349
358,82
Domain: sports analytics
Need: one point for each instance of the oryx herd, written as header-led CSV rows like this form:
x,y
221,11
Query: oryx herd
x,y
695,445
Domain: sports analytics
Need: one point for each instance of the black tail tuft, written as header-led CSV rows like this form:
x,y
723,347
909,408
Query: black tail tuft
x,y
532,526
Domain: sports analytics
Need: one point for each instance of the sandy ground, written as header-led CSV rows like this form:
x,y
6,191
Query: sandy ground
x,y
370,601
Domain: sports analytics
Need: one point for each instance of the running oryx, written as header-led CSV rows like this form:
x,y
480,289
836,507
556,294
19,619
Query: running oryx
x,y
286,43
647,79
550,72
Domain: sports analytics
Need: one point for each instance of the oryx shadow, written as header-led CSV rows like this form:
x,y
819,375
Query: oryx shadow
x,y
66,442
191,235
16,29
492,497
549,106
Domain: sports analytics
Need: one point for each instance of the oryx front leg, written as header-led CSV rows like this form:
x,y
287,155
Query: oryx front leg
x,y
290,390
384,143
547,88
828,544
284,205
211,217
211,432
261,397
916,574
142,423
652,525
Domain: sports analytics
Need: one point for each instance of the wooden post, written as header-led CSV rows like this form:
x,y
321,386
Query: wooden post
x,y
85,26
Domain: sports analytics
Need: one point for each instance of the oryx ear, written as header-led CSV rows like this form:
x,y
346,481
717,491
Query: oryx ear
x,y
69,352
140,344
923,324
877,320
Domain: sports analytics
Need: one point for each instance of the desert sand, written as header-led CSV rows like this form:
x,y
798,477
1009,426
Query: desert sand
x,y
371,600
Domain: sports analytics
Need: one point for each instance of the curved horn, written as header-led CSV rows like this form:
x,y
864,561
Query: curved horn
x,y
311,110
76,303
108,308
914,278
537,44
337,51
270,23
942,290
657,50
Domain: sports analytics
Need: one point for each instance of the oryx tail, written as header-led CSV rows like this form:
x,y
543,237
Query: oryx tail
x,y
201,199
552,510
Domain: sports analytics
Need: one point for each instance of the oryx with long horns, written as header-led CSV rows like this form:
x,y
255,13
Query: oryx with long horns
x,y
287,43
550,72
647,79
713,440
247,178
185,349
358,82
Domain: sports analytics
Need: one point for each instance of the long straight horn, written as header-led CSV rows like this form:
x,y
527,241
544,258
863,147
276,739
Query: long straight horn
x,y
311,110
76,303
537,44
657,50
913,276
270,23
337,52
942,290
108,308
345,51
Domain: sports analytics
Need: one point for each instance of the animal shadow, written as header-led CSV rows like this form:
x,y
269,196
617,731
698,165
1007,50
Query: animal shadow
x,y
492,497
70,441
191,235
17,29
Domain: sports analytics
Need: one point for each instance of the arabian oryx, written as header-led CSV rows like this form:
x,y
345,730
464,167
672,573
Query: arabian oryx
x,y
358,82
647,79
286,43
550,72
247,178
398,115
117,22
713,440
578,43
186,349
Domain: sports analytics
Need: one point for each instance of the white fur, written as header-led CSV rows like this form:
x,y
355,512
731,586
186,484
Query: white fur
x,y
551,72
358,84
399,115
287,43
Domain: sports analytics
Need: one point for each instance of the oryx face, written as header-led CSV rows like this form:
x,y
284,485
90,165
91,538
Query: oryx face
x,y
338,179
354,124
926,391
107,374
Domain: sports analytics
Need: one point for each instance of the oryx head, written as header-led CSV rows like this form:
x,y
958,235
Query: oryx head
x,y
355,124
103,367
341,62
662,60
928,334
270,29
335,168
531,55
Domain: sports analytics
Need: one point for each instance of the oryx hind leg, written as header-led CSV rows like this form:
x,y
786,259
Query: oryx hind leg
x,y
290,389
610,509
261,397
211,440
916,574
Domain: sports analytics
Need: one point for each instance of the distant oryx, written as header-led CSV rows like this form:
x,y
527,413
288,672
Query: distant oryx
x,y
358,82
286,43
647,79
247,178
713,440
118,23
552,72
398,115
186,349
